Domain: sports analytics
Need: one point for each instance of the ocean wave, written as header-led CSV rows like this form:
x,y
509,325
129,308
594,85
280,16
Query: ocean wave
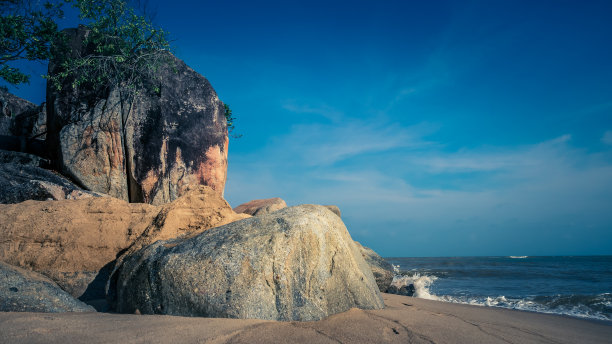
x,y
582,306
518,257
421,284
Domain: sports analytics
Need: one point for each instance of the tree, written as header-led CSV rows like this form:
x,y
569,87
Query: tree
x,y
124,48
27,31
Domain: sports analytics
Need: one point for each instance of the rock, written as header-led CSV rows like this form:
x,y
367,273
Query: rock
x,y
199,209
21,179
149,148
27,291
75,242
19,158
406,290
334,209
71,241
10,107
382,270
261,206
31,123
297,263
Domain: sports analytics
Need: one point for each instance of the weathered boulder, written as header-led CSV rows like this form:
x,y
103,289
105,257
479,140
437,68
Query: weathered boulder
x,y
75,242
149,146
31,123
298,263
10,107
71,241
201,208
334,209
26,291
406,290
19,158
261,206
382,270
22,179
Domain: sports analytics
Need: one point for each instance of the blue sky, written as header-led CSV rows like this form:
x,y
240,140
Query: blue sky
x,y
440,128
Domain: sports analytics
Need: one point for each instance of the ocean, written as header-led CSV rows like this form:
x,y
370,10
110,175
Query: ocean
x,y
578,286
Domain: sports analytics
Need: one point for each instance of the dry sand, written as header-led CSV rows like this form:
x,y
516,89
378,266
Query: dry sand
x,y
405,320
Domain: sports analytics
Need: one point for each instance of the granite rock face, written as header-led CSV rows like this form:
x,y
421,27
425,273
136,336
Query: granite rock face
x,y
10,107
71,241
26,291
200,209
31,123
382,270
22,179
147,148
261,206
297,263
76,242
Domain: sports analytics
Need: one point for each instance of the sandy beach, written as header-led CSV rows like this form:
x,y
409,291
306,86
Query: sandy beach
x,y
405,320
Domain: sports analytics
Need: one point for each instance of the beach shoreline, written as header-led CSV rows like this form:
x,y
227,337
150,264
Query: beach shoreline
x,y
404,320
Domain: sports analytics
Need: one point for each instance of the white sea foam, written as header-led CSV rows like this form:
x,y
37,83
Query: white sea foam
x,y
552,304
527,304
421,284
518,257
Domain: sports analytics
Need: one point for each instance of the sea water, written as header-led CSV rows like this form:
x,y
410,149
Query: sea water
x,y
579,286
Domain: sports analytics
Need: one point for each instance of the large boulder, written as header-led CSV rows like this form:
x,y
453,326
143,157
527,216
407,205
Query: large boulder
x,y
31,123
71,241
261,206
298,263
147,148
199,209
22,179
10,107
382,270
26,291
75,242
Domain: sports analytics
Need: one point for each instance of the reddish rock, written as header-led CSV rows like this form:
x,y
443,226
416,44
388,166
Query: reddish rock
x,y
150,148
75,242
261,206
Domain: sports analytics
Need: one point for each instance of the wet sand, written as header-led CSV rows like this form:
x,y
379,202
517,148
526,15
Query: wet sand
x,y
405,320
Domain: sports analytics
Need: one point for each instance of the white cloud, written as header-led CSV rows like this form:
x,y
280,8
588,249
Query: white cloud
x,y
391,181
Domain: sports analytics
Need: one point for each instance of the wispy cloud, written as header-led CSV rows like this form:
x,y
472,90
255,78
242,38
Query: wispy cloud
x,y
327,144
393,181
322,110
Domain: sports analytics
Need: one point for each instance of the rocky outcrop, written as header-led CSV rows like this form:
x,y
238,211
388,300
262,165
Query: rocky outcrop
x,y
199,209
75,242
406,290
147,148
19,158
27,291
334,209
31,123
261,206
22,179
10,107
70,241
22,125
382,270
298,263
